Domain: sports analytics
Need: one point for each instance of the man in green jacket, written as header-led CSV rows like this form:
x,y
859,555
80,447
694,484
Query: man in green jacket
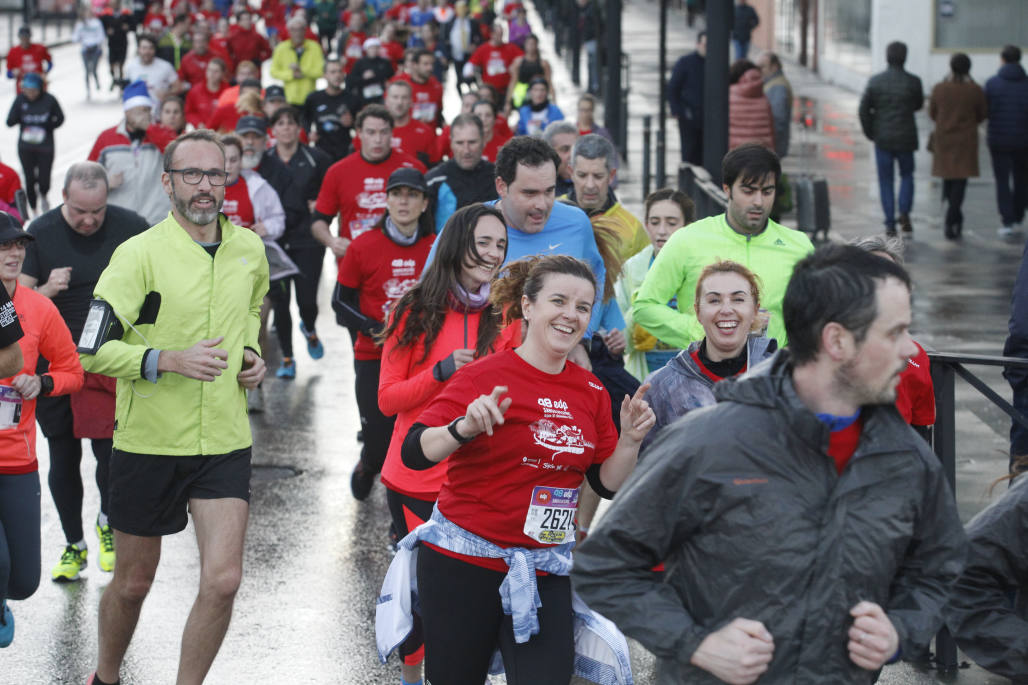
x,y
298,62
744,234
184,298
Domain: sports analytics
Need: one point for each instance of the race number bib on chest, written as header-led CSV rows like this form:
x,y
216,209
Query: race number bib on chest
x,y
551,514
10,407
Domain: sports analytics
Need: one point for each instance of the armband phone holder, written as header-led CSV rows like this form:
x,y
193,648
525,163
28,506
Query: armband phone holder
x,y
101,325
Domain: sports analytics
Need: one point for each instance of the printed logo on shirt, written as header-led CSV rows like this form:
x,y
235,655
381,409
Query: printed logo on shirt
x,y
7,314
595,386
779,241
403,267
560,438
394,289
554,408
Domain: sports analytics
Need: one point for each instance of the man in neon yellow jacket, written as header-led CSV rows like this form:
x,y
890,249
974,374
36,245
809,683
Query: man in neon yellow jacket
x,y
743,234
298,62
186,298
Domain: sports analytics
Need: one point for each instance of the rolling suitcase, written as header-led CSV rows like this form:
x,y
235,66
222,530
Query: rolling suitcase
x,y
813,215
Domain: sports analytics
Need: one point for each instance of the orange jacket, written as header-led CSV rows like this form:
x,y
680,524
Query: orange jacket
x,y
749,113
46,335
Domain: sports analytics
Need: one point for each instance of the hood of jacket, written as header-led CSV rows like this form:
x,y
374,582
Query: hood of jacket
x,y
750,84
1012,72
756,350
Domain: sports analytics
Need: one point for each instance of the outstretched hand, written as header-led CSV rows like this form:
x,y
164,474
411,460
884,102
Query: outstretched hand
x,y
637,417
484,413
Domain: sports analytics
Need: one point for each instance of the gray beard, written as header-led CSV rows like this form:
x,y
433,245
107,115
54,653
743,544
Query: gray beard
x,y
251,161
197,217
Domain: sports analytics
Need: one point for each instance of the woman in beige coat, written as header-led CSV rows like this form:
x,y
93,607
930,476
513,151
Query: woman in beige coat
x,y
957,106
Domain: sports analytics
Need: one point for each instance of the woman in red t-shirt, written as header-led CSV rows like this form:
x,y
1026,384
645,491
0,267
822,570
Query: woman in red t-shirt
x,y
438,326
379,267
524,427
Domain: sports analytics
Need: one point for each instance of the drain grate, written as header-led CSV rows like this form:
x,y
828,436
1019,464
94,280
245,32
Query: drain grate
x,y
264,473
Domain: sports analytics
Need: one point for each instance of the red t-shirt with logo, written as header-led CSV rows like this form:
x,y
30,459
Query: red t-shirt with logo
x,y
29,60
495,61
237,205
9,183
382,272
915,395
201,103
353,49
354,188
426,98
557,426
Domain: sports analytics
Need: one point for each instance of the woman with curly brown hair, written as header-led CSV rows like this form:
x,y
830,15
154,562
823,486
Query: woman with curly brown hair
x,y
438,326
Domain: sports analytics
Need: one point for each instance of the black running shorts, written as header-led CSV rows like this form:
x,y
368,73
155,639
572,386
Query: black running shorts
x,y
149,493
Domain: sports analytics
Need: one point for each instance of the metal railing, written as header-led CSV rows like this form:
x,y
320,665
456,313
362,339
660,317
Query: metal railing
x,y
945,367
696,182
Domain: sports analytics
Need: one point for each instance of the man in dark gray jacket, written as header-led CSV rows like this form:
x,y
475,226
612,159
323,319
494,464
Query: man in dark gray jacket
x,y
809,535
887,118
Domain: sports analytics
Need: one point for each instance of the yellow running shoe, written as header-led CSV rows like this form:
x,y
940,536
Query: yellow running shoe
x,y
72,561
106,535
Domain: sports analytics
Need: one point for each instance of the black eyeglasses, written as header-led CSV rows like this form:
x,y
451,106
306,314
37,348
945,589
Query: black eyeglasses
x,y
193,177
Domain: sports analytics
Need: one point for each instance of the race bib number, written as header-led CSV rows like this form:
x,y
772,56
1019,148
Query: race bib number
x,y
551,515
354,50
372,91
424,111
10,407
495,67
33,135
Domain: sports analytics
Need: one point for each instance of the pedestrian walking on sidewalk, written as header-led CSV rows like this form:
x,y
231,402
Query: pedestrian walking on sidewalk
x,y
957,106
887,119
750,119
744,20
685,97
778,91
1007,96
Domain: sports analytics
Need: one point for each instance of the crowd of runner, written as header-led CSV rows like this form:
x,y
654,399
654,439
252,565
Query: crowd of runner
x,y
523,346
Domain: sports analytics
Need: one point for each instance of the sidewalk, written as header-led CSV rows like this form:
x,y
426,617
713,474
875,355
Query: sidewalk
x,y
49,33
962,289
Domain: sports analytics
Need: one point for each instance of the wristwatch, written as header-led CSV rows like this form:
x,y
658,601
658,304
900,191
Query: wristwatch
x,y
46,384
457,436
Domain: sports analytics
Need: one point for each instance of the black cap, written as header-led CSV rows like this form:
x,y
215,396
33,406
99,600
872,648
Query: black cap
x,y
24,31
252,124
274,93
407,178
10,229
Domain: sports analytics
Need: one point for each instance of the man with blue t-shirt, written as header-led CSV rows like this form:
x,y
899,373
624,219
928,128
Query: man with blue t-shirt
x,y
526,180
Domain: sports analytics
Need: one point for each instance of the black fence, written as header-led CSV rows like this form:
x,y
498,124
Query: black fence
x,y
945,369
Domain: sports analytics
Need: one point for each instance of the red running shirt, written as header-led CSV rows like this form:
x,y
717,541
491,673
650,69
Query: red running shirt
x,y
412,138
237,205
915,396
556,428
354,188
382,272
495,61
426,98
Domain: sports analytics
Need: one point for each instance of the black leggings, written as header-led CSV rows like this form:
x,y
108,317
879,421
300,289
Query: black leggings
x,y
309,259
404,507
65,480
378,428
19,535
36,163
464,623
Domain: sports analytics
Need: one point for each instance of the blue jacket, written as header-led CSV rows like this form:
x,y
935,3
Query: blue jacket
x,y
1007,97
685,89
529,125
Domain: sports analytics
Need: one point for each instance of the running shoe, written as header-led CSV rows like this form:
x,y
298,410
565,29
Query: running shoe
x,y
255,400
73,560
287,369
361,482
6,625
314,346
106,535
